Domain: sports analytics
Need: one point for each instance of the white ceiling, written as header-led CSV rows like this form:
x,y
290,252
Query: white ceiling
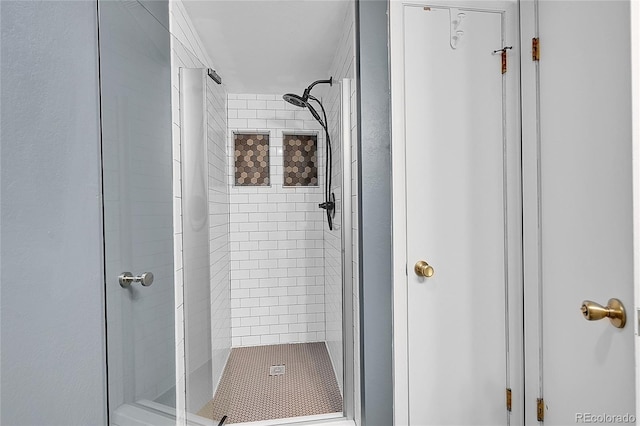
x,y
269,46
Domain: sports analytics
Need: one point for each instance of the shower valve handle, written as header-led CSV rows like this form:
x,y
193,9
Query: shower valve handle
x,y
329,205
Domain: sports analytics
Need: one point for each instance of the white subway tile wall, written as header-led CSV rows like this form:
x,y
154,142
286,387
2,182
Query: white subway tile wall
x,y
188,51
343,66
219,246
276,234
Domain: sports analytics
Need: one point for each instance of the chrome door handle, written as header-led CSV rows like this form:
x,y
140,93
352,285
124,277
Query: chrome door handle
x,y
126,279
614,310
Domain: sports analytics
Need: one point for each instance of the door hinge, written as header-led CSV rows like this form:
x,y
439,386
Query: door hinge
x,y
540,409
508,399
503,55
504,61
535,49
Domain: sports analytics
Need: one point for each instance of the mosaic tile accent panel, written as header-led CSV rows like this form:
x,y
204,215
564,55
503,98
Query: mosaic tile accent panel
x,y
300,160
252,159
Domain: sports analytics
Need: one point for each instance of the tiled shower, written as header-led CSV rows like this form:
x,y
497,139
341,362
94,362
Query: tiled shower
x,y
275,269
276,231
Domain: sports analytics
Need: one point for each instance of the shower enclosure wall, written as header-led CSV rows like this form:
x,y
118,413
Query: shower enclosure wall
x,y
240,265
280,262
203,323
340,248
137,203
205,233
286,269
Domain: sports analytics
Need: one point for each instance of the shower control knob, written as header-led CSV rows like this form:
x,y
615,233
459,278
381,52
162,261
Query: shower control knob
x,y
423,269
329,205
126,279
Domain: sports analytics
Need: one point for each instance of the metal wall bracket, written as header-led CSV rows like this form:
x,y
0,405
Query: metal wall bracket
x,y
214,76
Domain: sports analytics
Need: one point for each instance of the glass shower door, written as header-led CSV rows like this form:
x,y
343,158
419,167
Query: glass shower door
x,y
138,204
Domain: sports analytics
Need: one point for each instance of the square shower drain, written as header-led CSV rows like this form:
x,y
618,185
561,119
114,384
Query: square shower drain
x,y
276,370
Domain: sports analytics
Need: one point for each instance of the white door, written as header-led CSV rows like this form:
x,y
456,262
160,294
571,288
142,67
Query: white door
x,y
579,242
462,213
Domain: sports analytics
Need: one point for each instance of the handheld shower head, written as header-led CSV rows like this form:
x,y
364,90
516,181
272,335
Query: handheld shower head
x,y
295,100
301,101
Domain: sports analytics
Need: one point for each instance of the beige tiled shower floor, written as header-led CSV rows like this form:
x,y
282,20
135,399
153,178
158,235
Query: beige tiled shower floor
x,y
248,393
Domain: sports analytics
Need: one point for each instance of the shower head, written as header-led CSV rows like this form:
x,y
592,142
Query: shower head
x,y
295,100
301,101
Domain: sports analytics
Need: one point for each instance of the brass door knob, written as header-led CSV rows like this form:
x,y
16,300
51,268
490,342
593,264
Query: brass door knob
x,y
614,310
423,269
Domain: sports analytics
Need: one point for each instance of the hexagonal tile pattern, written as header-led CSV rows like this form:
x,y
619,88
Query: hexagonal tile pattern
x,y
300,160
252,159
248,393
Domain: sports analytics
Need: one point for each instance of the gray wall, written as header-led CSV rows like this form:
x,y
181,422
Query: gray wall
x,y
374,157
51,309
